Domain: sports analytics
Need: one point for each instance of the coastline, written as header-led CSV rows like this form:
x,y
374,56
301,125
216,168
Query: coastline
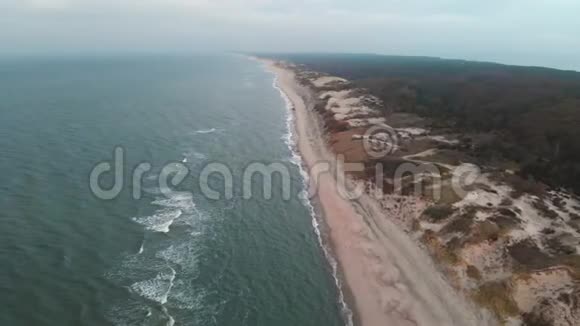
x,y
387,277
292,142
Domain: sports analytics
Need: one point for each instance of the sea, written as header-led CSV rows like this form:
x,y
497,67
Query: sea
x,y
124,197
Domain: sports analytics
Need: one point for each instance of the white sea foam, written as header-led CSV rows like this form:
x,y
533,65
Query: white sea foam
x,y
152,177
156,289
185,296
156,190
170,319
207,131
196,156
185,255
179,206
191,216
183,201
199,156
160,221
346,311
296,158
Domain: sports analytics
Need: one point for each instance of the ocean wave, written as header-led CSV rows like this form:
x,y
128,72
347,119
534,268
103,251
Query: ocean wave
x,y
183,201
197,156
155,190
160,221
345,309
207,131
141,248
156,289
304,197
196,301
152,177
170,319
179,207
184,255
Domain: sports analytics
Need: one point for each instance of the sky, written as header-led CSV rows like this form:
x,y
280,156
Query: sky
x,y
523,32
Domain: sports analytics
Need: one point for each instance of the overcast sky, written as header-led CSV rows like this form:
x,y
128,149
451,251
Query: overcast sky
x,y
526,32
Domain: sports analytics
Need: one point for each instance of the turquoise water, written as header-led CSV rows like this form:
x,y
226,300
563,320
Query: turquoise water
x,y
70,258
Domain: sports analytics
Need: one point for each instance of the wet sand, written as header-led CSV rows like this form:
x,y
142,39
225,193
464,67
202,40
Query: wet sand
x,y
389,279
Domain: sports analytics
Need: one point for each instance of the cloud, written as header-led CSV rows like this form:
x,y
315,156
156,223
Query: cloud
x,y
48,4
506,30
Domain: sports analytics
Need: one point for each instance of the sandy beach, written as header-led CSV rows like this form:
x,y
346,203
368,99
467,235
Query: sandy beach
x,y
389,279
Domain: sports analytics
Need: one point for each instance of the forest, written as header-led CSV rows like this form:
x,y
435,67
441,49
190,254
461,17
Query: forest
x,y
531,114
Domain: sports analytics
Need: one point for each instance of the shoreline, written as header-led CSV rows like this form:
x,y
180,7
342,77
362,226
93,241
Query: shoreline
x,y
386,277
317,209
314,208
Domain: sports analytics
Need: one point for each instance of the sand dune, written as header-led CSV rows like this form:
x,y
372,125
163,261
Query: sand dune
x,y
390,279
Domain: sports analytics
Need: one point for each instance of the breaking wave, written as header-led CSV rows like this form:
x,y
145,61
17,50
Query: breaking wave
x,y
207,131
156,289
159,271
161,221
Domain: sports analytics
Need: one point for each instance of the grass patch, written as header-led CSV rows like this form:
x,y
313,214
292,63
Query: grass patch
x,y
532,319
440,252
448,195
496,296
473,272
525,186
439,213
546,212
485,231
462,223
529,257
